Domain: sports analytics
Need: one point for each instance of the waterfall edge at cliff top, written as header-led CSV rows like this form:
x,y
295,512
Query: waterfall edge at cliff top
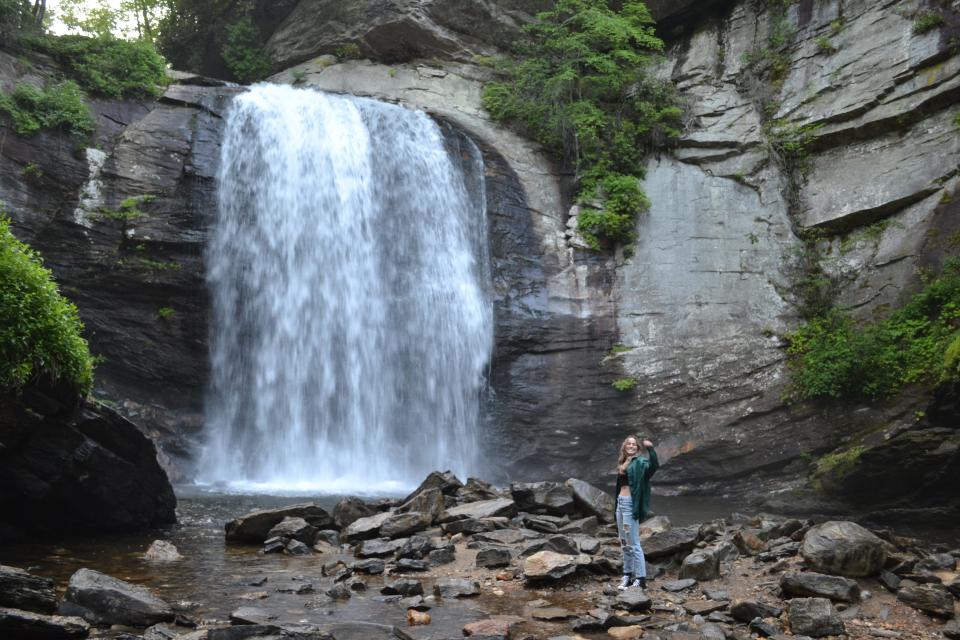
x,y
351,327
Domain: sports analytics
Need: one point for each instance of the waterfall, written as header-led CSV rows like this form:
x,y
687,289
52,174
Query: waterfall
x,y
348,269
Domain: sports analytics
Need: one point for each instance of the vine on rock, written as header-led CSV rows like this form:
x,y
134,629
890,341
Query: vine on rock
x,y
580,86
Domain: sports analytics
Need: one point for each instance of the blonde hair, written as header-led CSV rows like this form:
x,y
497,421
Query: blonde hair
x,y
624,459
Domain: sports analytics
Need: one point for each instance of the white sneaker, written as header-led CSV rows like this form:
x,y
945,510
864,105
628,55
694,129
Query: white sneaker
x,y
639,583
624,583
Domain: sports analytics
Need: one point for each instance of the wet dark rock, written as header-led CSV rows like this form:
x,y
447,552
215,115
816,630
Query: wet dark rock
x,y
889,581
350,509
456,588
273,545
633,600
409,564
843,548
808,583
22,590
716,593
592,500
365,528
543,497
113,601
551,614
747,610
703,607
674,586
446,481
442,556
370,566
415,547
294,528
494,558
701,566
340,591
667,543
937,562
86,471
933,599
296,548
19,624
255,526
327,536
814,617
377,548
542,523
506,536
246,631
954,587
405,588
556,543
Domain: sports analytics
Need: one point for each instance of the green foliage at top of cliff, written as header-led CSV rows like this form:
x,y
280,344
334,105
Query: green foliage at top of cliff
x,y
243,52
580,86
108,66
834,356
58,106
39,329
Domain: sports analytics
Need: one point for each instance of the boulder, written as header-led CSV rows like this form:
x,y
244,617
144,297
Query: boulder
x,y
296,548
16,624
370,566
162,551
429,502
843,548
411,564
930,598
476,490
446,555
749,543
633,600
405,588
350,509
656,524
497,628
415,547
505,536
294,528
365,528
667,543
674,586
403,524
455,588
814,617
110,600
586,526
629,632
446,482
701,566
87,471
498,507
937,562
494,558
557,543
545,565
378,548
952,629
808,583
22,590
591,500
255,526
543,497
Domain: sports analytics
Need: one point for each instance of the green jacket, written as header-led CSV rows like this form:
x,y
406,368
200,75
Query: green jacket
x,y
639,472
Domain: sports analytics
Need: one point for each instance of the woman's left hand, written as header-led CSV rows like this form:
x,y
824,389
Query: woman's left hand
x,y
647,444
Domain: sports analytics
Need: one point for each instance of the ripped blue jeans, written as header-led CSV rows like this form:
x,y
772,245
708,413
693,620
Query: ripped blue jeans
x,y
629,531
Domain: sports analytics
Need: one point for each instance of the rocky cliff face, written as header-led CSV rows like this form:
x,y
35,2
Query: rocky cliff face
x,y
694,313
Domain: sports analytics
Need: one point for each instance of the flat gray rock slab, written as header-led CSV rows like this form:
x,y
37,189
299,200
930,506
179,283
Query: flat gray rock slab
x,y
15,623
112,600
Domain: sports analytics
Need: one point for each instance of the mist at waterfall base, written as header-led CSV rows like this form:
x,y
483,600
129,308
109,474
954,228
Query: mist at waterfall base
x,y
351,326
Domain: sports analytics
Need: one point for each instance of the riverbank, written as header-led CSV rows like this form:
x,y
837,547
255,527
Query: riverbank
x,y
542,561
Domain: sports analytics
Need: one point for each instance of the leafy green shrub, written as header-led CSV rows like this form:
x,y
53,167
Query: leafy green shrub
x,y
927,21
16,20
166,312
60,106
579,86
825,46
110,67
624,384
832,356
244,53
39,329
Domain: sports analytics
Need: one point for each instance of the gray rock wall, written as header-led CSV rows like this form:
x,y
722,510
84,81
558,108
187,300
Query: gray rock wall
x,y
696,313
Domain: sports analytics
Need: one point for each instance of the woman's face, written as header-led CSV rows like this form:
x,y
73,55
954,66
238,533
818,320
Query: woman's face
x,y
630,446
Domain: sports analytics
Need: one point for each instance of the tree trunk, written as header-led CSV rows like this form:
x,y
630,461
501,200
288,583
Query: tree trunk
x,y
39,10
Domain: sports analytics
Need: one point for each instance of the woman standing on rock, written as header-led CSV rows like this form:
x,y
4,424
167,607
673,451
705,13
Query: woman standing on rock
x,y
635,467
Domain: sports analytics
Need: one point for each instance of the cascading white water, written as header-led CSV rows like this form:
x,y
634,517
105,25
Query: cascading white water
x,y
351,329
